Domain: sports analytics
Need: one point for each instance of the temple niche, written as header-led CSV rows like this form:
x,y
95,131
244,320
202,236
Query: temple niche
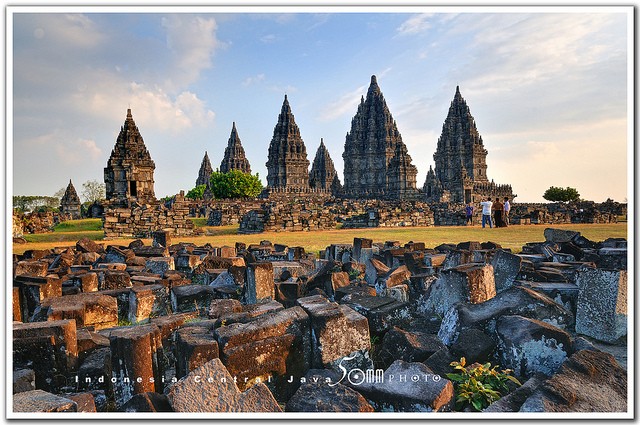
x,y
234,156
376,161
70,202
460,174
128,176
323,175
287,165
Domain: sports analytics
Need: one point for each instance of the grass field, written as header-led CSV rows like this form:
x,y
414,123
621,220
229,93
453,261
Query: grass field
x,y
513,237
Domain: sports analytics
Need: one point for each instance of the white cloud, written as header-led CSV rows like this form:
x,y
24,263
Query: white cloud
x,y
268,39
73,30
347,103
253,80
192,41
416,24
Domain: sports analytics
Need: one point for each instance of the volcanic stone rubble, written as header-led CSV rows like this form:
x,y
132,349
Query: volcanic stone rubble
x,y
361,327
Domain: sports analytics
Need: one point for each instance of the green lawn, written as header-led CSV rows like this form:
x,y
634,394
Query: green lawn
x,y
513,237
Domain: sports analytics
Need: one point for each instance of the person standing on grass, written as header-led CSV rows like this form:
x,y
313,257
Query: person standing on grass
x,y
498,209
469,213
486,212
507,208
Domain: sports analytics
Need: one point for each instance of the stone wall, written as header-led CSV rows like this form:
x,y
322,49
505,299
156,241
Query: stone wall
x,y
142,220
36,222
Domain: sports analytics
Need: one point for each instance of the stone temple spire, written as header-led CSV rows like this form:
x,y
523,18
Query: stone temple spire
x,y
128,176
70,202
369,149
205,171
234,156
287,165
460,145
323,173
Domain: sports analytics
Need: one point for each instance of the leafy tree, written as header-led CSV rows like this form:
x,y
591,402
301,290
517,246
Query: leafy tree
x,y
197,192
235,184
35,203
93,190
558,194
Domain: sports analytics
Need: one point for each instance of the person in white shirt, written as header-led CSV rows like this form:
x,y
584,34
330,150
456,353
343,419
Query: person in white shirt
x,y
507,208
486,212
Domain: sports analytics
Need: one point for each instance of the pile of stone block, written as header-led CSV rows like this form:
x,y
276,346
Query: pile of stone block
x,y
363,327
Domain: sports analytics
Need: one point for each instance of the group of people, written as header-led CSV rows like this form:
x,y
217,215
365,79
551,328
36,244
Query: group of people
x,y
493,213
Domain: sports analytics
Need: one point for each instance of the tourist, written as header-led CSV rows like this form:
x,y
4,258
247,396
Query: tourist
x,y
498,209
507,208
486,212
469,212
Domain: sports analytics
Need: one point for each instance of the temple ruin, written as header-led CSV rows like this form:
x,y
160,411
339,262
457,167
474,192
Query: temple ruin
x,y
70,202
287,166
234,156
204,174
460,173
128,176
323,173
376,161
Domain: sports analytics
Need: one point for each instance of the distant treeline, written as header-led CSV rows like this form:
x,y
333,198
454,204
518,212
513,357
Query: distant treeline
x,y
34,203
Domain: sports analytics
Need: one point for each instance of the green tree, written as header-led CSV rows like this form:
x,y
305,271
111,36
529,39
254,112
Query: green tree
x,y
558,194
197,192
235,184
93,190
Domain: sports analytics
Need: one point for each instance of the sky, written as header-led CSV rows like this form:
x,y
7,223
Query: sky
x,y
549,88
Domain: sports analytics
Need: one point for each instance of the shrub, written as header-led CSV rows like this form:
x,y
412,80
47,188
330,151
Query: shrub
x,y
197,192
235,184
558,194
479,385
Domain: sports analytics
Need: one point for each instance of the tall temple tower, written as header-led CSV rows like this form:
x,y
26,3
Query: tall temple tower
x,y
287,166
234,156
204,174
323,173
70,202
460,173
128,176
376,161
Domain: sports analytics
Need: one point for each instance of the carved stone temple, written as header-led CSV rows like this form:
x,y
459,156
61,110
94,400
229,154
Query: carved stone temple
x,y
234,156
323,175
460,173
70,202
204,174
376,161
128,176
287,165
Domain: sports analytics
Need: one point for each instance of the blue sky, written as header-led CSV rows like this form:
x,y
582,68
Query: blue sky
x,y
548,88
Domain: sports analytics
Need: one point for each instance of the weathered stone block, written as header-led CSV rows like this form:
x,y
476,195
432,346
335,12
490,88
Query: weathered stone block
x,y
31,268
195,346
337,330
222,308
38,401
529,346
24,380
160,265
399,344
211,388
601,310
188,298
34,290
506,267
374,269
87,245
116,279
409,387
559,235
147,402
84,402
514,301
135,363
260,284
467,283
15,303
381,312
398,276
588,381
88,309
320,397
